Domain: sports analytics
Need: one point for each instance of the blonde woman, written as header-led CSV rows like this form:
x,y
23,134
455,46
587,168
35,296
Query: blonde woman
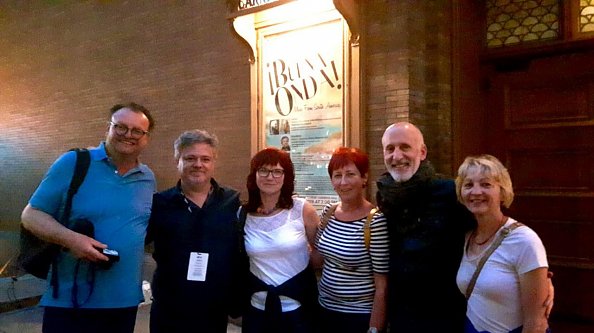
x,y
512,286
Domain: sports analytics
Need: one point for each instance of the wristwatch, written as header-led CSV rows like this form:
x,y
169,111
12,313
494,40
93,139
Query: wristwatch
x,y
372,330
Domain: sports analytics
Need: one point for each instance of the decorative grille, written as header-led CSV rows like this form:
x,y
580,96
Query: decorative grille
x,y
586,15
511,22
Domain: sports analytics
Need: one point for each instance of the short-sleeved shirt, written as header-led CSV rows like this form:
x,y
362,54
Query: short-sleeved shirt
x,y
495,303
179,228
119,207
347,283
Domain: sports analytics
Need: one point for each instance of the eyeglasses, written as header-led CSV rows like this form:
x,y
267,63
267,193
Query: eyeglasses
x,y
135,133
276,173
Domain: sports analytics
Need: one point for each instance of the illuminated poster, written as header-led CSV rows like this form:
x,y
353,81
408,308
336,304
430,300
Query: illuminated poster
x,y
303,102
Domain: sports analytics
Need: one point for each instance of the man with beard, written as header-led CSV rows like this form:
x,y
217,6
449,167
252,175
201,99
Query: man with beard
x,y
426,226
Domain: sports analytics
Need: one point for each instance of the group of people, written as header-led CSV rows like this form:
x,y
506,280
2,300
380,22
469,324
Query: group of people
x,y
405,267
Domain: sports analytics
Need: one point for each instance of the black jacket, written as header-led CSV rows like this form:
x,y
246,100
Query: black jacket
x,y
426,225
301,287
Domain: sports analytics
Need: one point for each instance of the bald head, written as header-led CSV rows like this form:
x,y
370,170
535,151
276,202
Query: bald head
x,y
404,149
404,127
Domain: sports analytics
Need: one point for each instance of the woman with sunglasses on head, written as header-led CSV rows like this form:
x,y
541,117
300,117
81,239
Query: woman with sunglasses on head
x,y
279,232
511,288
354,273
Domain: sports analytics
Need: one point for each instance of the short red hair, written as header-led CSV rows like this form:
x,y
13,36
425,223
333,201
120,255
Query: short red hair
x,y
342,156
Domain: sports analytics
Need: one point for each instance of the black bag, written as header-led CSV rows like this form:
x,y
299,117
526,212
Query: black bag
x,y
37,255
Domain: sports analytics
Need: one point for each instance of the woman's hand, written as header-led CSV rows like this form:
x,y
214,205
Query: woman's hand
x,y
548,304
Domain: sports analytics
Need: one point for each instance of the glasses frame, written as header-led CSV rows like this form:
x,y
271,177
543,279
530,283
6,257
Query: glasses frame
x,y
122,130
276,173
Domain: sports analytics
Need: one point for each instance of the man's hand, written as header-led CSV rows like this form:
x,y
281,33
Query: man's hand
x,y
84,247
46,227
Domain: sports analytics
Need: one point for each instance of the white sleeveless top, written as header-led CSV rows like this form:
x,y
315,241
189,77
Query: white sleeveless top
x,y
278,250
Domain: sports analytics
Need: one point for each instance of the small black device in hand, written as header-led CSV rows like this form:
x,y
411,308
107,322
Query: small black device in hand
x,y
113,257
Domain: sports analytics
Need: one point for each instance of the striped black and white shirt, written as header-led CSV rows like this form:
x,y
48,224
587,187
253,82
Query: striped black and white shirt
x,y
347,283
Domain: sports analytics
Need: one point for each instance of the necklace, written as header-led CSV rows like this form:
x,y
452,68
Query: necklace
x,y
263,211
502,222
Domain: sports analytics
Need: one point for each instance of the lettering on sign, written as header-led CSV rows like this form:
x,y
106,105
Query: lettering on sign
x,y
246,4
299,80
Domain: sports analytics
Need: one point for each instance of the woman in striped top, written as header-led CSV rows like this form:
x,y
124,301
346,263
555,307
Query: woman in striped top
x,y
354,276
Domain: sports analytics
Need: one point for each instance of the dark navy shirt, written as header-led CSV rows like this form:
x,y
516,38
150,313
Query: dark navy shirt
x,y
178,227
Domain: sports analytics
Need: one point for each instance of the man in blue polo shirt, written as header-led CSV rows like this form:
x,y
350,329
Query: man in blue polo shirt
x,y
116,196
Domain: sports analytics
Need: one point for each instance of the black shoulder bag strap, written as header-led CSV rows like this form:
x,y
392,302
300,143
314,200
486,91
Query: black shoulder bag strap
x,y
83,160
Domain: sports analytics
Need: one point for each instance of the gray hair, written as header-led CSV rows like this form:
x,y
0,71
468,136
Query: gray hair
x,y
189,138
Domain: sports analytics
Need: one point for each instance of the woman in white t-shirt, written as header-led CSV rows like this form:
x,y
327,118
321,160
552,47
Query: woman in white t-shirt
x,y
279,233
512,286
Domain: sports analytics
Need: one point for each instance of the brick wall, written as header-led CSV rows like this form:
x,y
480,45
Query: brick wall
x,y
386,78
63,64
406,57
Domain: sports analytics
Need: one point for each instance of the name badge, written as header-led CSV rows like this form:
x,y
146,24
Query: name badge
x,y
197,266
